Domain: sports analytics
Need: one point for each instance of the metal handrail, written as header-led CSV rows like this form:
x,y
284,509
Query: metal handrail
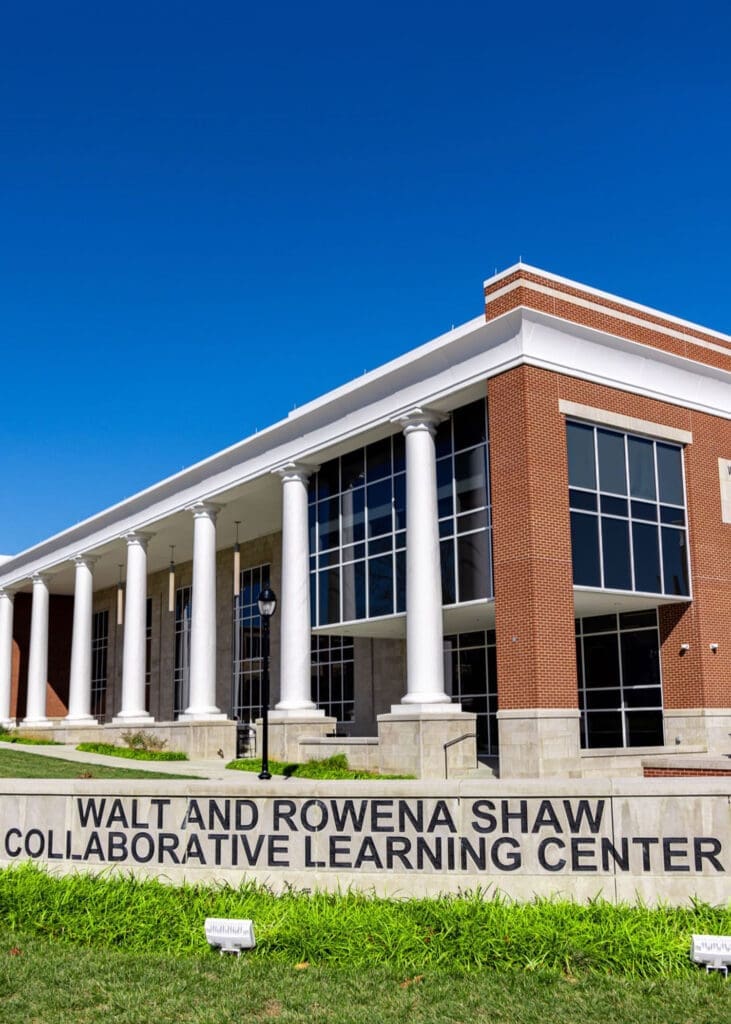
x,y
451,743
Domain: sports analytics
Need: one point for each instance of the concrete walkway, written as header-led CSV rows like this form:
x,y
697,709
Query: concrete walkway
x,y
199,769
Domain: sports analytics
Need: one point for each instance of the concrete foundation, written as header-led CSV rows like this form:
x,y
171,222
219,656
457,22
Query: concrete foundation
x,y
709,727
429,745
539,742
201,741
287,733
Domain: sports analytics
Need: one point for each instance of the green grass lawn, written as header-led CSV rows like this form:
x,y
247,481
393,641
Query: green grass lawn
x,y
19,764
46,982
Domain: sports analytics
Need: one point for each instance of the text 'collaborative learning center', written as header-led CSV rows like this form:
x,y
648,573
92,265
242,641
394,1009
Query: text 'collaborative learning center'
x,y
511,544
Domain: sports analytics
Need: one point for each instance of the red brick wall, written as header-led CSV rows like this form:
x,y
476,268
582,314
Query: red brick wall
x,y
532,546
658,773
60,622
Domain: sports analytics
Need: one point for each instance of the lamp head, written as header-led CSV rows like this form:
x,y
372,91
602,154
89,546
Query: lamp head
x,y
267,602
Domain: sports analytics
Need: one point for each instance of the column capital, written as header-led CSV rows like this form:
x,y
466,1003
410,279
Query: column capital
x,y
204,510
7,592
139,538
88,560
420,418
295,471
40,577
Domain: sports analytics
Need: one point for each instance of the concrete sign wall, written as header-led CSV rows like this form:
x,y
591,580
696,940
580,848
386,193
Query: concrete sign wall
x,y
625,839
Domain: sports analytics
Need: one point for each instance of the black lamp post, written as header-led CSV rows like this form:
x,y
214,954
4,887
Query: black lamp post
x,y
267,602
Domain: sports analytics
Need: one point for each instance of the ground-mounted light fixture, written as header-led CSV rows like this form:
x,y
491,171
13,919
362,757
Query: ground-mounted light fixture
x,y
712,950
267,602
230,934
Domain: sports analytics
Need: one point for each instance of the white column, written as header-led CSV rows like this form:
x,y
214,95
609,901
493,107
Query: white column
x,y
35,708
6,656
424,630
203,617
294,600
135,627
80,676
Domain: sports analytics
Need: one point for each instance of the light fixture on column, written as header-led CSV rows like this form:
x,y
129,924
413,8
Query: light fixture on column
x,y
120,598
267,602
171,580
237,562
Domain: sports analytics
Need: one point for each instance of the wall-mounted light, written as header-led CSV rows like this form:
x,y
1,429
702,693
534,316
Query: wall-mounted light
x,y
171,580
714,648
684,648
120,598
237,562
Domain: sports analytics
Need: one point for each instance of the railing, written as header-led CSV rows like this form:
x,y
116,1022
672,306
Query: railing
x,y
451,743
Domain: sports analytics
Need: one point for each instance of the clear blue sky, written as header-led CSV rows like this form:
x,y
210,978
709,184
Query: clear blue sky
x,y
213,212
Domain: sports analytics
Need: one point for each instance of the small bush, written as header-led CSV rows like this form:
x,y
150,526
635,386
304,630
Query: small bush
x,y
133,753
142,740
332,768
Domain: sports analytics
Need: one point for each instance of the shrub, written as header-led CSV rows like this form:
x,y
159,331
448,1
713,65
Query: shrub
x,y
332,768
133,753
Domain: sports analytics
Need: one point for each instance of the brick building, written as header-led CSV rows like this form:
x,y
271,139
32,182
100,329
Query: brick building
x,y
515,540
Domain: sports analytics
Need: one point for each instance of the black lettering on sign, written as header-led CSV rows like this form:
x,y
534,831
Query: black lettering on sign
x,y
426,852
313,815
51,853
397,848
619,857
89,809
93,847
543,847
309,862
712,848
477,856
193,850
380,810
348,814
368,854
581,852
511,859
218,815
546,817
247,815
117,847
35,843
217,838
645,842
339,848
584,814
12,833
193,815
277,849
168,843
284,811
670,853
142,847
117,815
520,815
136,823
481,809
160,802
414,818
252,855
441,817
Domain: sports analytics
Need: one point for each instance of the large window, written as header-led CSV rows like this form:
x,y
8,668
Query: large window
x,y
620,690
99,661
628,523
148,652
357,507
332,676
247,666
181,675
470,672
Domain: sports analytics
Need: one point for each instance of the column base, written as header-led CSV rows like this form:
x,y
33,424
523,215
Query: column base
x,y
37,723
286,730
133,718
438,742
8,723
539,742
202,715
79,721
285,710
428,708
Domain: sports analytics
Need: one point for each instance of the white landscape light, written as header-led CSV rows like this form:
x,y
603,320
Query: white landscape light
x,y
230,934
712,950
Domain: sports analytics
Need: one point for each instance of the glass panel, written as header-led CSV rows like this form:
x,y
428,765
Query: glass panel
x,y
378,459
380,545
328,479
604,729
672,516
670,474
470,479
643,510
643,697
585,549
644,728
601,660
640,661
380,518
614,506
580,442
328,514
635,620
380,585
443,439
400,581
449,590
353,509
399,500
473,557
612,469
615,551
582,499
469,425
641,468
647,558
352,469
312,525
445,503
354,602
329,586
353,552
602,700
675,568
399,453
472,521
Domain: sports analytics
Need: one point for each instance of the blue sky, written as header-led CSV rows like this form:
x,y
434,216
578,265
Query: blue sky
x,y
211,213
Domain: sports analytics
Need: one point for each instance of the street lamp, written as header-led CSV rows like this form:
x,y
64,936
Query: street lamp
x,y
267,602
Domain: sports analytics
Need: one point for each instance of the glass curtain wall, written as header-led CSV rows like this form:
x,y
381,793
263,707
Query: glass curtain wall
x,y
247,655
628,521
333,681
470,674
181,672
99,662
620,686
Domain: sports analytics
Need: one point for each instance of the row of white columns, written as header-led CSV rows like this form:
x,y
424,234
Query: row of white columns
x,y
424,639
